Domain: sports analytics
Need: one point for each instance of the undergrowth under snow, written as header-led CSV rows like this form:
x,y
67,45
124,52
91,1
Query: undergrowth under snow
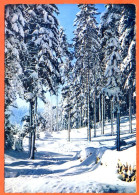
x,y
62,166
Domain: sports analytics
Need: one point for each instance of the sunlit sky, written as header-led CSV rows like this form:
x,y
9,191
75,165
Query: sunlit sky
x,y
67,16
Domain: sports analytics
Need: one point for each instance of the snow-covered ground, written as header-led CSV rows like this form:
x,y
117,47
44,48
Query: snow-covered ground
x,y
62,166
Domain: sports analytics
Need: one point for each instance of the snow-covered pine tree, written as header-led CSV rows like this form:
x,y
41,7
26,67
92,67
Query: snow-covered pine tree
x,y
127,31
86,51
67,91
112,58
79,86
41,71
67,77
65,65
14,46
101,71
42,38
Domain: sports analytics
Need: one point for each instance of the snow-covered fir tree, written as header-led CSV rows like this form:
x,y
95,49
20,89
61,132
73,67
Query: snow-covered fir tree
x,y
14,45
42,39
86,52
127,31
67,91
112,51
111,58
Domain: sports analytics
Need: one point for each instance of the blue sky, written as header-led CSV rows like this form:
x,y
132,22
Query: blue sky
x,y
68,14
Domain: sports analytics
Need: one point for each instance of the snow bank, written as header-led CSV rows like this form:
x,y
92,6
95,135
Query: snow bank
x,y
110,158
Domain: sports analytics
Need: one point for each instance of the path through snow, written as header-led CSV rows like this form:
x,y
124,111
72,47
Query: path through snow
x,y
62,166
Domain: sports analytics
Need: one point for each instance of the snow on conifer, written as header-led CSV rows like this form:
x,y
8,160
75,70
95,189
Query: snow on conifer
x,y
86,46
110,39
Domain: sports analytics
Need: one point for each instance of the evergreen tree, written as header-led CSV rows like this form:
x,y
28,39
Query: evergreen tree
x,y
86,51
112,59
127,33
42,39
14,45
67,91
111,48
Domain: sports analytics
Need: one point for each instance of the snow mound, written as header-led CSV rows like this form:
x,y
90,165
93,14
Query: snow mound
x,y
111,157
94,153
45,135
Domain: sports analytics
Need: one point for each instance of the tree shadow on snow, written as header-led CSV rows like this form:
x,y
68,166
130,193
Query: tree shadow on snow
x,y
17,154
34,167
124,137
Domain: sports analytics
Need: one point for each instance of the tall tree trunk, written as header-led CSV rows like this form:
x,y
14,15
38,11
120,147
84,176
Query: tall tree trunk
x,y
81,122
88,104
51,116
112,107
34,121
31,134
78,115
33,146
102,109
134,105
57,127
86,110
95,113
118,127
51,121
30,124
69,127
130,110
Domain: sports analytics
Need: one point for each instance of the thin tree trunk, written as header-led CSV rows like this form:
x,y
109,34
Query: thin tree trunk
x,y
33,146
102,109
78,117
30,143
34,113
36,106
51,116
57,128
81,122
51,122
88,104
86,115
118,127
130,111
134,105
30,133
94,113
69,127
86,110
112,133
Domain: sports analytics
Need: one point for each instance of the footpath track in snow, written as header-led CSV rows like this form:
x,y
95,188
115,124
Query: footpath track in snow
x,y
62,166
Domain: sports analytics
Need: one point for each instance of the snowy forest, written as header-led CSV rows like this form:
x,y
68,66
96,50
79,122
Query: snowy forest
x,y
92,76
